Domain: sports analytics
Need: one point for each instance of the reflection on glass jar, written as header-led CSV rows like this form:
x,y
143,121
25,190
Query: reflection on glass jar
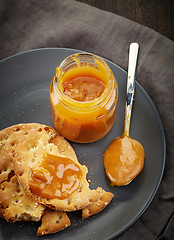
x,y
83,97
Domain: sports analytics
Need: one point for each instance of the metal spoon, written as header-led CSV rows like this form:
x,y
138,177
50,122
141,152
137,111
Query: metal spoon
x,y
124,158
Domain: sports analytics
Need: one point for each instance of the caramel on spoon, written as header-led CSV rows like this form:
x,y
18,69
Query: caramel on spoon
x,y
124,158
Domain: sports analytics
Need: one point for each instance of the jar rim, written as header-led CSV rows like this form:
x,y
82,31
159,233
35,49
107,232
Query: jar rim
x,y
86,104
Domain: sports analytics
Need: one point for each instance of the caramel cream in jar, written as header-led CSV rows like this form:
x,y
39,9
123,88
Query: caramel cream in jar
x,y
83,97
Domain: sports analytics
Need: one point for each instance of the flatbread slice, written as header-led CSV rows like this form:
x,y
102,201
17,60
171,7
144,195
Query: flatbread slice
x,y
52,222
99,205
16,205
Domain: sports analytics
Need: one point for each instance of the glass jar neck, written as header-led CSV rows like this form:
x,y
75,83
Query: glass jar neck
x,y
84,64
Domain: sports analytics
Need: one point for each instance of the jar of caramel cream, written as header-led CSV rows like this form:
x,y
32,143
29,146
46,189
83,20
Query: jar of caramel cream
x,y
83,97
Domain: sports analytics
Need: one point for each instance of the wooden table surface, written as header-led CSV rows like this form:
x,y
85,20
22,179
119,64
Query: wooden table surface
x,y
155,14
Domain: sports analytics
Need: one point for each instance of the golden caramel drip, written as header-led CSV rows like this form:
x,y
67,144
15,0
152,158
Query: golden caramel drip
x,y
57,177
123,160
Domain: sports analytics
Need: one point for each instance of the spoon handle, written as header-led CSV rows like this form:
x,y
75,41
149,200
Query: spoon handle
x,y
133,54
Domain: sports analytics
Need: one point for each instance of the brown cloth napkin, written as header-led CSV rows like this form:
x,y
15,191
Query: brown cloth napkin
x,y
26,25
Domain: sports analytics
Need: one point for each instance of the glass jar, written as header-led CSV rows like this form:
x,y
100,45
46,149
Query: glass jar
x,y
83,121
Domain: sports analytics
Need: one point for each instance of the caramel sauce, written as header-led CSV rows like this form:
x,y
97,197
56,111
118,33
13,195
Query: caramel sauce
x,y
83,88
123,160
57,177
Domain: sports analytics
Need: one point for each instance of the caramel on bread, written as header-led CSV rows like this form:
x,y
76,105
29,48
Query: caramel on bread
x,y
28,155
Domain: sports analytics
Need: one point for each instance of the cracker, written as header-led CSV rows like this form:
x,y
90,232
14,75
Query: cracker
x,y
99,205
16,204
52,222
26,144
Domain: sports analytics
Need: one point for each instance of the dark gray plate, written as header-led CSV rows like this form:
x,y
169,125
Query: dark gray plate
x,y
24,98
